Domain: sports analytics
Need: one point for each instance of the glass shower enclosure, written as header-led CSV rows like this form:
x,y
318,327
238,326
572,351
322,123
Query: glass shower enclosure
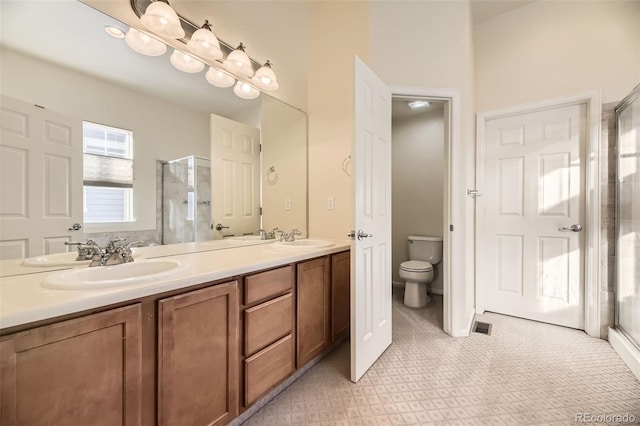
x,y
186,200
628,218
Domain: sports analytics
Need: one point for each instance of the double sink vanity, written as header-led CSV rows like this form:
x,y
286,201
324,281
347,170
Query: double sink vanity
x,y
182,335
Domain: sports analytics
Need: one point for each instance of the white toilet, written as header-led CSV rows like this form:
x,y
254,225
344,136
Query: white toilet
x,y
424,252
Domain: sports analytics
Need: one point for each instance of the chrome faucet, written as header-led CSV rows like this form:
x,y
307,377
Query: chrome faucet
x,y
291,236
85,250
112,254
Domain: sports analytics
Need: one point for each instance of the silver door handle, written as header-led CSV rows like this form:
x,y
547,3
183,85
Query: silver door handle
x,y
362,234
574,228
75,227
220,227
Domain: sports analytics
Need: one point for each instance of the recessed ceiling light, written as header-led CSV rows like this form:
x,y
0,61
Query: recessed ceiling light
x,y
114,31
418,104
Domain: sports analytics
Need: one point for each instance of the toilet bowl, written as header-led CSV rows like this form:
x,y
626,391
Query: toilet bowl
x,y
424,253
417,274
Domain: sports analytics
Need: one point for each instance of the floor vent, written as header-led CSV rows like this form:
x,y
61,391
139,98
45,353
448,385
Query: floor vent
x,y
482,327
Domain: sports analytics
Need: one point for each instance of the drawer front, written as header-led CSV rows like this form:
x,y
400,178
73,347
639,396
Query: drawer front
x,y
267,368
267,322
265,285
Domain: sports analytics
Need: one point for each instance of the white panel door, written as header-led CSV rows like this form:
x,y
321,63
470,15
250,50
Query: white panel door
x,y
530,263
235,177
371,253
40,179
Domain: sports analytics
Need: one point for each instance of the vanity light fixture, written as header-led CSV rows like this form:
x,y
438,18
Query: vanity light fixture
x,y
219,78
204,43
265,78
238,62
245,90
185,62
114,32
143,43
160,18
204,47
420,104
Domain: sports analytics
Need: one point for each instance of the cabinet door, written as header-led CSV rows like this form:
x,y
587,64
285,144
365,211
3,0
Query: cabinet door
x,y
85,371
198,357
313,292
340,293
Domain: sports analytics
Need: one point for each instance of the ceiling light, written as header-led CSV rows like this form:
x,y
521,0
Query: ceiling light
x,y
418,104
163,20
204,43
238,62
265,78
185,62
219,78
245,90
114,31
143,43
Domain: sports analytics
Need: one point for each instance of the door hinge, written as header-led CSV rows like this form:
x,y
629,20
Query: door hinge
x,y
260,211
260,147
473,193
451,228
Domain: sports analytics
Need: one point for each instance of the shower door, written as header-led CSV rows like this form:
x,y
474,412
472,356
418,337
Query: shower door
x,y
628,215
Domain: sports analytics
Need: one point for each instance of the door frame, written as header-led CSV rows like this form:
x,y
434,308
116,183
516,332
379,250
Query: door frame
x,y
593,103
455,318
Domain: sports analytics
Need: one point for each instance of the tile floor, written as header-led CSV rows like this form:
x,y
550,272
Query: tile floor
x,y
525,372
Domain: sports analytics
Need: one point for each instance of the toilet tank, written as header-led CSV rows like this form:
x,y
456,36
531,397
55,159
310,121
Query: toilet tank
x,y
425,248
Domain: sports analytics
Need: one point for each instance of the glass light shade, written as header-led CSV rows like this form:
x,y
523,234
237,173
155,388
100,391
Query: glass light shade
x,y
245,90
185,62
238,62
219,78
265,78
143,43
163,20
204,43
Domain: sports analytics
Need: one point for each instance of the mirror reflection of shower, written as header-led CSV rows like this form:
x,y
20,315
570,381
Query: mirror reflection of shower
x,y
186,200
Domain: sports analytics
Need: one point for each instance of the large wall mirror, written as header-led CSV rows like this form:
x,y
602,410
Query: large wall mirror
x,y
57,55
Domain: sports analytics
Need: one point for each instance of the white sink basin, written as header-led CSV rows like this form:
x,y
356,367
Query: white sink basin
x,y
303,244
60,259
125,274
244,239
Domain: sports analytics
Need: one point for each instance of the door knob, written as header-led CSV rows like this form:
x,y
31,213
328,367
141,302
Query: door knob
x,y
362,234
574,228
220,227
75,227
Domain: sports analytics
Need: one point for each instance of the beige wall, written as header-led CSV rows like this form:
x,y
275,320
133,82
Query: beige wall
x,y
417,184
337,32
284,147
161,131
550,49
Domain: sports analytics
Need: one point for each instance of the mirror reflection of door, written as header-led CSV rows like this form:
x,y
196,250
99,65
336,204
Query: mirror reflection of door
x,y
40,180
235,177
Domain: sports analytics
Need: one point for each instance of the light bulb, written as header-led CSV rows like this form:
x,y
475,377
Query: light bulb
x,y
163,20
238,62
204,43
219,78
245,90
143,43
265,78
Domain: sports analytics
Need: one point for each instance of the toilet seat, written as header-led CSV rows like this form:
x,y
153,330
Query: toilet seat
x,y
416,266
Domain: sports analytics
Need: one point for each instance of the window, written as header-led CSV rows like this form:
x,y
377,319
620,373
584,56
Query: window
x,y
108,174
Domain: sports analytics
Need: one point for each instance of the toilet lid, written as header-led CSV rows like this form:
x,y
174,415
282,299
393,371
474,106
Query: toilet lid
x,y
416,266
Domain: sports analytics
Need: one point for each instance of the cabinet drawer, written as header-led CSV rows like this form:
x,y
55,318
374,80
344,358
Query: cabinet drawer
x,y
267,368
265,285
267,322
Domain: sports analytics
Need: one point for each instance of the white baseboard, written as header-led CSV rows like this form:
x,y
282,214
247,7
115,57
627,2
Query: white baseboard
x,y
429,290
628,352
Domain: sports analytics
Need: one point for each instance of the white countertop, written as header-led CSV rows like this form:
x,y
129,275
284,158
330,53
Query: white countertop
x,y
23,300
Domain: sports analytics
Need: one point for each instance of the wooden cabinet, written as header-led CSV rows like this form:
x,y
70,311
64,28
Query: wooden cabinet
x,y
85,371
340,295
268,325
313,289
197,357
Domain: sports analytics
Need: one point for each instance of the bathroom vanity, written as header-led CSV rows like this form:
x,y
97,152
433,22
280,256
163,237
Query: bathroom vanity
x,y
196,348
